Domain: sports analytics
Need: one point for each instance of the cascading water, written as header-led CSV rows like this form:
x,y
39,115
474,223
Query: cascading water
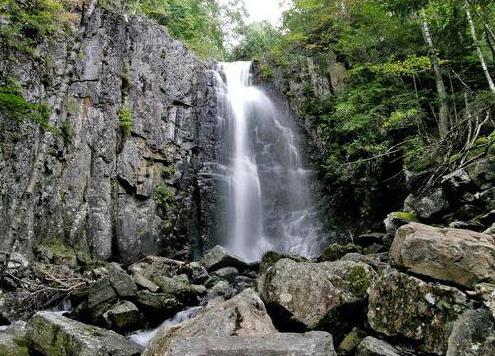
x,y
267,192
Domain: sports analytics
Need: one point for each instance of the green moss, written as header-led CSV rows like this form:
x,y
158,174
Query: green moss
x,y
359,280
406,216
168,171
14,107
125,120
336,251
163,195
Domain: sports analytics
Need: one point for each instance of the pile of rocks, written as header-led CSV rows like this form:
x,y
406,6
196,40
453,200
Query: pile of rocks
x,y
433,293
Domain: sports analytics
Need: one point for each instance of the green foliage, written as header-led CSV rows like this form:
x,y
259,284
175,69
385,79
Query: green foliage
x,y
197,22
14,107
258,39
405,216
164,195
26,23
169,171
125,119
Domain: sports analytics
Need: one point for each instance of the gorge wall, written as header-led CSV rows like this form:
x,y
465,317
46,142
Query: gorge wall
x,y
126,163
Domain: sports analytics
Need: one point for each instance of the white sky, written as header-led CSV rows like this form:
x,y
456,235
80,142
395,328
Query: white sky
x,y
259,10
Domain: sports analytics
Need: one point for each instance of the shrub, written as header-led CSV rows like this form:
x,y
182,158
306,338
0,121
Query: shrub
x,y
125,120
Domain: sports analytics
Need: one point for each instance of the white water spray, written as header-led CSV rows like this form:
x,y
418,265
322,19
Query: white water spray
x,y
267,190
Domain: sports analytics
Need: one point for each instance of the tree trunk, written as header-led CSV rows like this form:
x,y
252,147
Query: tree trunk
x,y
478,49
443,115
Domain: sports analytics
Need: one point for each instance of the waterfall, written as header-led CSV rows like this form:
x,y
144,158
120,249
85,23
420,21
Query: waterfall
x,y
268,203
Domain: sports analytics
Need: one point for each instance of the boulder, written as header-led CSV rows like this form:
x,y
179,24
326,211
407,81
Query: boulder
x,y
123,316
402,305
52,334
307,294
144,282
427,206
397,219
243,315
315,343
457,256
196,273
335,251
227,273
177,287
218,257
373,260
156,266
161,303
271,257
473,334
221,289
13,340
371,346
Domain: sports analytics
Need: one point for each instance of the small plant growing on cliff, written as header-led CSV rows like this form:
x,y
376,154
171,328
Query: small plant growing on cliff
x,y
13,106
163,195
125,120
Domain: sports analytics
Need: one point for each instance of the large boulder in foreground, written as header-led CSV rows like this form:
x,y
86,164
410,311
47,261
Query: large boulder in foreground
x,y
243,315
457,256
473,334
402,305
218,257
315,343
308,293
52,334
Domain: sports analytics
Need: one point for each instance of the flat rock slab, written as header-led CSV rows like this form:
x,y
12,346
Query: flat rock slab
x,y
243,315
314,343
371,346
218,257
52,334
457,256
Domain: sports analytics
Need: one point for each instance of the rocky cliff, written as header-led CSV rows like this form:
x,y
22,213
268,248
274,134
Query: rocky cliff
x,y
120,166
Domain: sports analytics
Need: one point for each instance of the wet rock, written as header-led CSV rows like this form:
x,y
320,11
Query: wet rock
x,y
164,304
218,257
473,334
13,340
403,305
458,256
52,334
371,346
227,273
123,316
243,315
457,181
487,293
243,282
315,343
309,293
335,251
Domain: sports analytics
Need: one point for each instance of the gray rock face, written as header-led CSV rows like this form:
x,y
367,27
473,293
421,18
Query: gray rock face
x,y
310,292
458,256
371,346
243,315
314,343
473,334
52,334
218,257
13,340
100,182
400,304
427,206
